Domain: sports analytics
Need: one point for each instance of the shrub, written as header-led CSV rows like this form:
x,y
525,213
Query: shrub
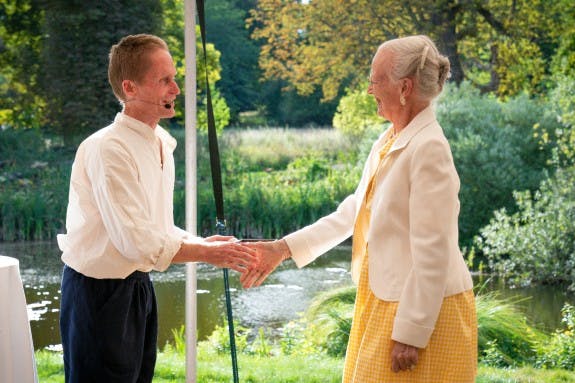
x,y
494,149
536,244
356,112
559,351
562,109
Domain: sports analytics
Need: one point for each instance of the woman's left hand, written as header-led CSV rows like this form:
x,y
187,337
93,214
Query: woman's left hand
x,y
403,357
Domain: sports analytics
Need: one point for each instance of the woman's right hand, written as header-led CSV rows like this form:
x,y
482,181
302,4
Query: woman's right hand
x,y
271,255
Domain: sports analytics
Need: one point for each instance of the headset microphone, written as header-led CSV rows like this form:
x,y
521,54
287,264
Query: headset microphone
x,y
167,105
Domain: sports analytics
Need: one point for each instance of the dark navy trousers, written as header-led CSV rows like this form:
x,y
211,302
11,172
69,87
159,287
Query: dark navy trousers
x,y
109,328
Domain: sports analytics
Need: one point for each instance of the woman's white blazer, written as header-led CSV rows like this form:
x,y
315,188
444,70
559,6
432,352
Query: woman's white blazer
x,y
412,241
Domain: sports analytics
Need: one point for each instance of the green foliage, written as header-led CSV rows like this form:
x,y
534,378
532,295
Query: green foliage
x,y
179,339
505,47
330,314
172,31
50,366
527,374
220,109
494,149
535,244
261,346
33,185
219,341
266,170
336,342
74,75
257,208
505,339
356,112
563,62
283,105
226,26
562,109
20,37
292,340
559,352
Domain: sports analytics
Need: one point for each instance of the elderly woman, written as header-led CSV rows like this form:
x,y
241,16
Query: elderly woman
x,y
414,317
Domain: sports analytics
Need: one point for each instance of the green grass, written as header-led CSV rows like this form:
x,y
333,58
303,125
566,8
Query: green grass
x,y
214,368
217,368
523,375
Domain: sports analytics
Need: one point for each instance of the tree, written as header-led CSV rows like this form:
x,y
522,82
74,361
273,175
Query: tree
x,y
226,28
497,44
20,36
173,32
75,58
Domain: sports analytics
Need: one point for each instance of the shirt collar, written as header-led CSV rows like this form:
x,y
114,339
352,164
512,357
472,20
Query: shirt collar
x,y
138,126
145,131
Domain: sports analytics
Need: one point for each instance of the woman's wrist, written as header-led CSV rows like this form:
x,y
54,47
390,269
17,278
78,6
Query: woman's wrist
x,y
284,249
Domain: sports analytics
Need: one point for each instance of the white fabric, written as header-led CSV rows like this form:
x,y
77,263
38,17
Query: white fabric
x,y
120,208
414,255
17,363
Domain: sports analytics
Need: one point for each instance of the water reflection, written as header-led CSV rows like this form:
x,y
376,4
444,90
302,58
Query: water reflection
x,y
285,294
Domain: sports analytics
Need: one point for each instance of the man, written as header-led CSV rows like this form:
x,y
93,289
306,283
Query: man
x,y
120,225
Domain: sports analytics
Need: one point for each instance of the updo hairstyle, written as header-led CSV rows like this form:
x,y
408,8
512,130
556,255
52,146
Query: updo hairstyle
x,y
417,57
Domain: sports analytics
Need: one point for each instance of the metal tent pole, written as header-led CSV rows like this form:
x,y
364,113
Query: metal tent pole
x,y
191,184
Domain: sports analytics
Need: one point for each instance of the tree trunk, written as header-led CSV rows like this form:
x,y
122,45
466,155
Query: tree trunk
x,y
443,20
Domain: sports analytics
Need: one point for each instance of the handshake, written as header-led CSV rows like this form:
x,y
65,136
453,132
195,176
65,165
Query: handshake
x,y
254,259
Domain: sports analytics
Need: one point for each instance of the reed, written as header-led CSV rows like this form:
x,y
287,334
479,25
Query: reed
x,y
275,180
265,195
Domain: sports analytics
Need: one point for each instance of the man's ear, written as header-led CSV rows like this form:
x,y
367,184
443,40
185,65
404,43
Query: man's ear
x,y
129,88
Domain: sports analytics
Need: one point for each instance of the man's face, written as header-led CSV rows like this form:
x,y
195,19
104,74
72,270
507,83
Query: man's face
x,y
157,88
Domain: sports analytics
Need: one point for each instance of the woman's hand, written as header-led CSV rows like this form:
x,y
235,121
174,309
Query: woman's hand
x,y
271,255
403,357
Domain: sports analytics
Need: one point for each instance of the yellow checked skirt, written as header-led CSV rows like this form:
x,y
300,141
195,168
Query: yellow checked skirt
x,y
450,356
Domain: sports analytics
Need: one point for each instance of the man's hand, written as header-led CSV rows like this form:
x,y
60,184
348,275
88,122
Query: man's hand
x,y
220,251
270,255
403,357
227,252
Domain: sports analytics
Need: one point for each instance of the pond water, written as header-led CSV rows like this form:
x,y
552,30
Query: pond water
x,y
285,294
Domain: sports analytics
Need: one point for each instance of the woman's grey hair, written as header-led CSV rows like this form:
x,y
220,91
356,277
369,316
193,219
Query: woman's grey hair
x,y
417,57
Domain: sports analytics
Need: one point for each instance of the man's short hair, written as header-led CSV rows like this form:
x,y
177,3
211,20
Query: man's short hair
x,y
128,60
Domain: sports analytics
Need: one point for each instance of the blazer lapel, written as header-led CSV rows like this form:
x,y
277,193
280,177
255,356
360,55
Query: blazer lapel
x,y
423,119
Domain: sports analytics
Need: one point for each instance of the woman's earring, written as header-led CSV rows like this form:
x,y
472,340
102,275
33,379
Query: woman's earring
x,y
402,100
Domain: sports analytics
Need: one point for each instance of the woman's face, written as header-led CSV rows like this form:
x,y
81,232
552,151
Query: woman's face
x,y
382,87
